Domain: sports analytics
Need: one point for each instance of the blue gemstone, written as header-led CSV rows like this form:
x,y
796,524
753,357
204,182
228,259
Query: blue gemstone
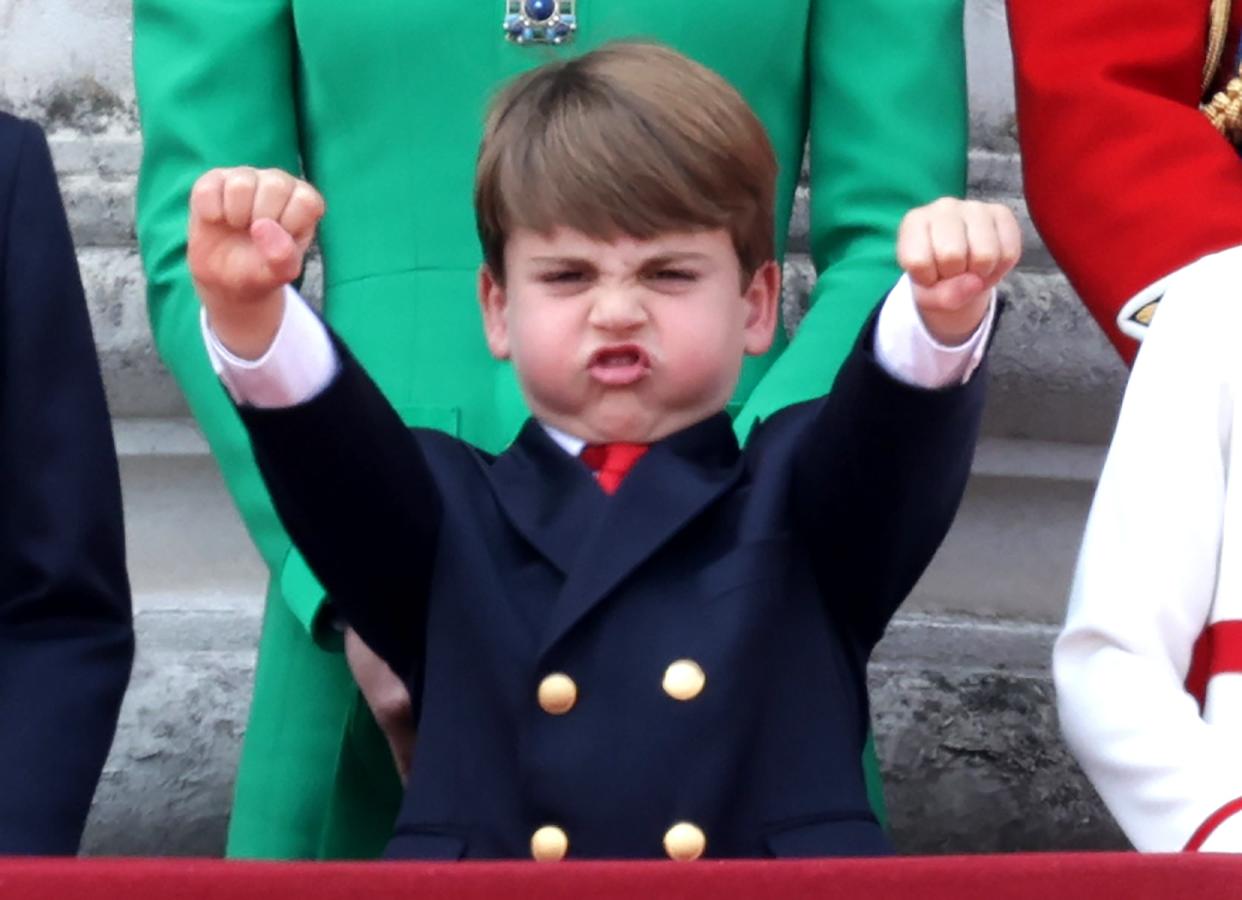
x,y
569,20
513,25
540,10
561,29
528,34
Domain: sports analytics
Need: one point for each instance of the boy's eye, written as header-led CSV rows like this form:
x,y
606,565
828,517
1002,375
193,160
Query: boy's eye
x,y
674,275
563,276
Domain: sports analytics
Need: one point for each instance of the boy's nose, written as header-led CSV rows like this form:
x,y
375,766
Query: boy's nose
x,y
617,309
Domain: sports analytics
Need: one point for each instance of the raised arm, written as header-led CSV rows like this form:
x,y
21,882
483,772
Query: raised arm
x,y
348,478
350,482
887,87
66,638
883,463
1126,179
216,87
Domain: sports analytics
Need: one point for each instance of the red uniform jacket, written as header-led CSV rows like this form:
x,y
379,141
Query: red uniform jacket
x,y
1126,180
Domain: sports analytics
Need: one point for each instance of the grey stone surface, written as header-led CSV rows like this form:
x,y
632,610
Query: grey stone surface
x,y
198,598
966,734
167,786
1055,377
185,542
67,63
1011,551
972,764
990,74
100,209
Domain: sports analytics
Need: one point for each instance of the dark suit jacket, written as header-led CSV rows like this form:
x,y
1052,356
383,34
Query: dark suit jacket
x,y
66,639
775,568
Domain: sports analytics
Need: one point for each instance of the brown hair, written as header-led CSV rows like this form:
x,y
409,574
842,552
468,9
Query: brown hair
x,y
632,139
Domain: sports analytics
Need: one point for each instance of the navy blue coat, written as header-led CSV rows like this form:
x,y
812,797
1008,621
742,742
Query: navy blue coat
x,y
66,638
775,568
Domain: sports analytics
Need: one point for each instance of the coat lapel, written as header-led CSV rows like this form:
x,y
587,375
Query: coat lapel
x,y
550,497
676,480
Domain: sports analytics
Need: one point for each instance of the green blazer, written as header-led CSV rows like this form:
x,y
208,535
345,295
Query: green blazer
x,y
381,104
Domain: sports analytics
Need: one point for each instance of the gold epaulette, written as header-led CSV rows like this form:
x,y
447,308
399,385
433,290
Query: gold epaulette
x,y
1224,109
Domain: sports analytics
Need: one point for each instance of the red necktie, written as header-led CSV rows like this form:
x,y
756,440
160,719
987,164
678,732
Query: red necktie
x,y
612,462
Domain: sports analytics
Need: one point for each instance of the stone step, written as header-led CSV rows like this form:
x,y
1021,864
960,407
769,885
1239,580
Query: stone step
x,y
185,541
1010,554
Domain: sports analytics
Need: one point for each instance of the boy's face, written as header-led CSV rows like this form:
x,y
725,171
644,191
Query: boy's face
x,y
627,340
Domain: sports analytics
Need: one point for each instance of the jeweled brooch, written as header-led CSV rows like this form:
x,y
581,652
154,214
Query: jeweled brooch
x,y
540,21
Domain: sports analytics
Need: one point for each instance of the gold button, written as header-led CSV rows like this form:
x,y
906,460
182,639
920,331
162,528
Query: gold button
x,y
684,680
684,842
549,844
557,694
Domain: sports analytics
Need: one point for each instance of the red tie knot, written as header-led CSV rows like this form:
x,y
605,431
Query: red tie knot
x,y
612,462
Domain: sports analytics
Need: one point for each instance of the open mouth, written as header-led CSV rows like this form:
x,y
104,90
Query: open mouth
x,y
621,364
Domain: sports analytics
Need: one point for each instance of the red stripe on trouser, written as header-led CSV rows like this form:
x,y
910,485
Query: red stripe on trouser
x,y
1218,650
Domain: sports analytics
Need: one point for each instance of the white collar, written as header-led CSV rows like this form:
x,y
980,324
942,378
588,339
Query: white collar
x,y
567,442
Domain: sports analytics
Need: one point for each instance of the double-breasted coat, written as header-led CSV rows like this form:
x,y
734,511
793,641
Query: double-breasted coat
x,y
678,668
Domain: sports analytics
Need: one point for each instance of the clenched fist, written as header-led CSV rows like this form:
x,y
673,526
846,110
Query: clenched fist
x,y
249,230
956,251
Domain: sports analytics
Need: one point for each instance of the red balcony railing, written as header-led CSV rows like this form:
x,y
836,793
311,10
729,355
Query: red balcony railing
x,y
1014,877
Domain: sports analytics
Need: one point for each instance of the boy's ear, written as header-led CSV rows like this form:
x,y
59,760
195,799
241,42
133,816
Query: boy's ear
x,y
763,307
494,303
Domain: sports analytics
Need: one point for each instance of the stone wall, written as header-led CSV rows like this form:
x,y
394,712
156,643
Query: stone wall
x,y
963,704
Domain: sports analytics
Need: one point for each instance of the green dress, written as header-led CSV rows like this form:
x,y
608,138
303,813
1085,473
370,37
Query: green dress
x,y
381,105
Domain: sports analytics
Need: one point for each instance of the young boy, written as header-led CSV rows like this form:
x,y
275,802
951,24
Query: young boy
x,y
625,636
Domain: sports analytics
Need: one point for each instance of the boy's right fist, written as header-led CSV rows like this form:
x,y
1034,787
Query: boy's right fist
x,y
249,230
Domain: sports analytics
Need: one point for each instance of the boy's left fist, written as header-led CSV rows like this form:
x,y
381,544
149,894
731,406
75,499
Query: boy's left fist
x,y
955,252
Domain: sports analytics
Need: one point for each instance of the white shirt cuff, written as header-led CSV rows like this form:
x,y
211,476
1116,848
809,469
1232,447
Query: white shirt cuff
x,y
908,352
299,364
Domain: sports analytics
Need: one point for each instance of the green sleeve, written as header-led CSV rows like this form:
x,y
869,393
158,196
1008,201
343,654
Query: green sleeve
x,y
888,132
215,85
